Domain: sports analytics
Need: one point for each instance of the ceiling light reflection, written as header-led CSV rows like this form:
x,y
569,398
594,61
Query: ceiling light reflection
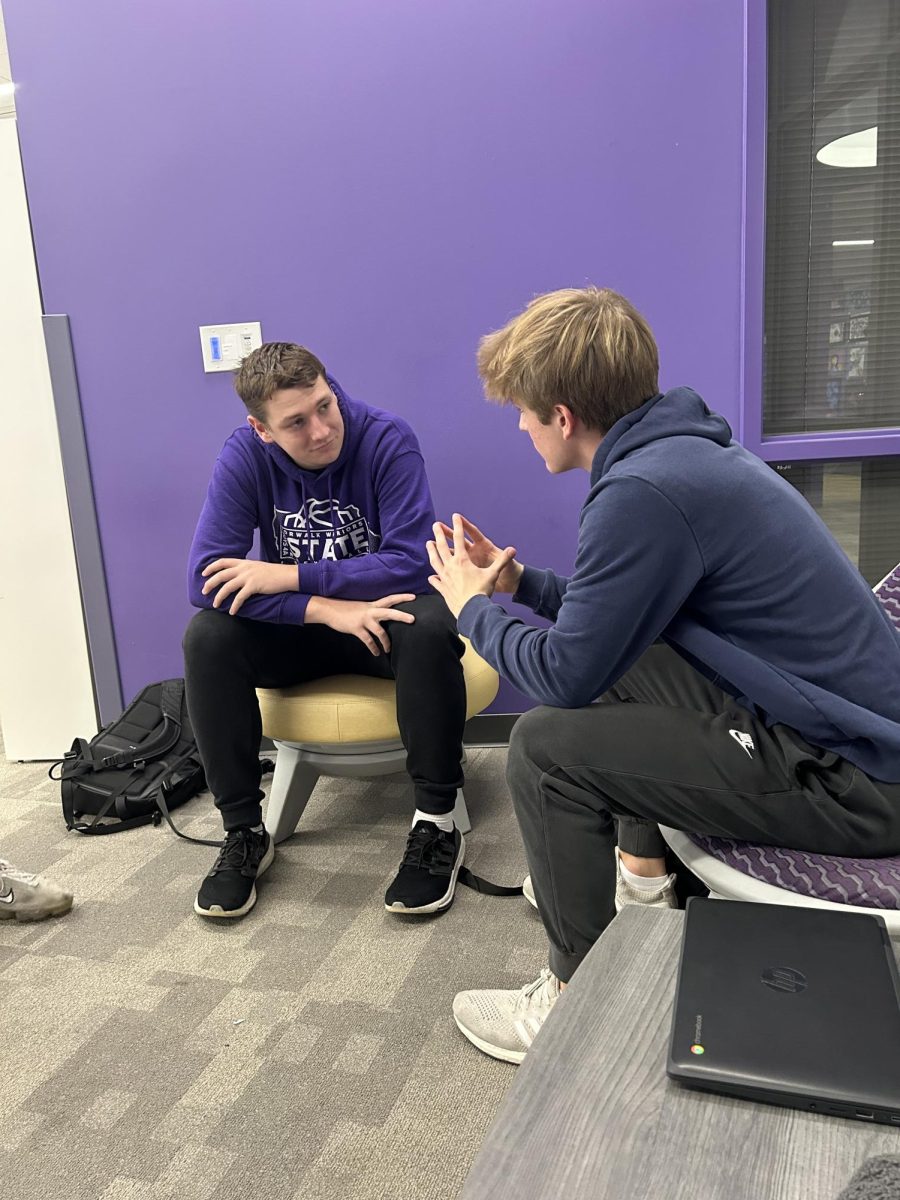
x,y
858,149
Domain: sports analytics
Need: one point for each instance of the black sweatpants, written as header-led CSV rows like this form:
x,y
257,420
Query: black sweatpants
x,y
664,745
227,658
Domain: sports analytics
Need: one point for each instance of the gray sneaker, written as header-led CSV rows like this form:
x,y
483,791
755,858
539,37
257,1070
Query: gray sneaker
x,y
27,897
663,897
528,891
505,1023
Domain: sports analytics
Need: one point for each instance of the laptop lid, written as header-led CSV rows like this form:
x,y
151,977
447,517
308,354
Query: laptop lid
x,y
789,1005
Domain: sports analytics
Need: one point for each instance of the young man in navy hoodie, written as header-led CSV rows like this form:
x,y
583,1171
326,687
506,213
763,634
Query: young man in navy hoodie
x,y
338,493
748,679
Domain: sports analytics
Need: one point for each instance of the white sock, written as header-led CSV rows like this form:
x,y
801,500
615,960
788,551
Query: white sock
x,y
442,820
256,828
643,883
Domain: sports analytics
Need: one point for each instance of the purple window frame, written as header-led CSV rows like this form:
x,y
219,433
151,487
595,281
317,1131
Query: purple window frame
x,y
794,447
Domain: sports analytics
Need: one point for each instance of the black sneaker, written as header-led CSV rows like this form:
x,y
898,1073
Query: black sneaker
x,y
229,890
426,880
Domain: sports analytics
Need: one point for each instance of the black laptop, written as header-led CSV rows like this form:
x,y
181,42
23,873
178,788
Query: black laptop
x,y
791,1006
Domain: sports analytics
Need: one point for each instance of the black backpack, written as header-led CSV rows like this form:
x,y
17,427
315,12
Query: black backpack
x,y
136,769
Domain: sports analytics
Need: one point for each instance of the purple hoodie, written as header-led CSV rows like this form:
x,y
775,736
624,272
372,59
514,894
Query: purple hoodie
x,y
357,528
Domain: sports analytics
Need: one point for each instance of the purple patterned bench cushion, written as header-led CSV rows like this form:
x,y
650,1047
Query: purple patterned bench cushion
x,y
868,882
888,592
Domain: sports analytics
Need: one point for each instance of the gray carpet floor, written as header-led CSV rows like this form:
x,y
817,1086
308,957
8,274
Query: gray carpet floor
x,y
305,1053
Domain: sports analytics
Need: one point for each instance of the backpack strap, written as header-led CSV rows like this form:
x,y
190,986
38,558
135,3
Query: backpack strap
x,y
67,790
111,801
468,879
80,760
83,758
73,767
170,702
266,765
118,827
167,816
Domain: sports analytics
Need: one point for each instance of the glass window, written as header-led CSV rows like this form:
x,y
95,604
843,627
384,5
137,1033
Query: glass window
x,y
832,293
859,501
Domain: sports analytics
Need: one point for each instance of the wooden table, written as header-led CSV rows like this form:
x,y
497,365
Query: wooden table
x,y
591,1113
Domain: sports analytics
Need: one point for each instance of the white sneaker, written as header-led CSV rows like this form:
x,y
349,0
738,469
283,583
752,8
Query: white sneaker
x,y
625,893
27,897
663,897
505,1023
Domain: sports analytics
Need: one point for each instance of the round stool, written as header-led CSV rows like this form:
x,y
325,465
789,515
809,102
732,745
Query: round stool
x,y
346,725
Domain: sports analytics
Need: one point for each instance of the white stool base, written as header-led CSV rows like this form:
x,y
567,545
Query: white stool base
x,y
298,766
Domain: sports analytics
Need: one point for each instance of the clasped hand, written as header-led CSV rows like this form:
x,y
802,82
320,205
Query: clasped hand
x,y
247,577
473,566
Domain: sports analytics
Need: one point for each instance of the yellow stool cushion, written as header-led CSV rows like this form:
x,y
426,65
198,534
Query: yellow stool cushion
x,y
356,708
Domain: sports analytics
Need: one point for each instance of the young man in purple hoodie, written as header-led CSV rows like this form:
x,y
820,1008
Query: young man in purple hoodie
x,y
749,680
338,493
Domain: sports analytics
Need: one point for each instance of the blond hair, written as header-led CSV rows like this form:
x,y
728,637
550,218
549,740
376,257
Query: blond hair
x,y
586,348
271,367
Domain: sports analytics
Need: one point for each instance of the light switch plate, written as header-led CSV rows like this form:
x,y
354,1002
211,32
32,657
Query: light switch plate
x,y
224,346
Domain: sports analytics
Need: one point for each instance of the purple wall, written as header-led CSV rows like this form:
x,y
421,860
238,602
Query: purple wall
x,y
385,183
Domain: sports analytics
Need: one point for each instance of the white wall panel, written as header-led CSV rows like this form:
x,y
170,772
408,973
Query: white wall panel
x,y
46,696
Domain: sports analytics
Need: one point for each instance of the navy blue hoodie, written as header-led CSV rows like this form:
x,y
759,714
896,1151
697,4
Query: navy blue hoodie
x,y
356,529
687,538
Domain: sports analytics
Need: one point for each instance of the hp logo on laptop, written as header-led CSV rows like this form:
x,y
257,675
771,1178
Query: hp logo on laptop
x,y
783,979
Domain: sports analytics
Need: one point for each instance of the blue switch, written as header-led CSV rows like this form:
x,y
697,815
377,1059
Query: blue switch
x,y
215,349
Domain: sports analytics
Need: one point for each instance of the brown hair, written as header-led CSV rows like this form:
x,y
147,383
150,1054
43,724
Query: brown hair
x,y
271,367
586,348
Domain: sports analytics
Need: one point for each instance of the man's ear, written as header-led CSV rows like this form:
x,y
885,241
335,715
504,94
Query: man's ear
x,y
566,420
257,426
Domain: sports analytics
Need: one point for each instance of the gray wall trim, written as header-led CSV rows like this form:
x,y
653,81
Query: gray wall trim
x,y
83,515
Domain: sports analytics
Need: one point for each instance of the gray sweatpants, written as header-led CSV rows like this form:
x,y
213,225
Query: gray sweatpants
x,y
665,745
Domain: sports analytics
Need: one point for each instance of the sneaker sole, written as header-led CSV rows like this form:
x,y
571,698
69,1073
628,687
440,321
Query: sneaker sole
x,y
510,1056
436,905
232,914
658,902
619,904
40,914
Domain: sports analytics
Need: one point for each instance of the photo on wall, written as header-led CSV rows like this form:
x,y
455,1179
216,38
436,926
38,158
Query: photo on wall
x,y
858,301
856,362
